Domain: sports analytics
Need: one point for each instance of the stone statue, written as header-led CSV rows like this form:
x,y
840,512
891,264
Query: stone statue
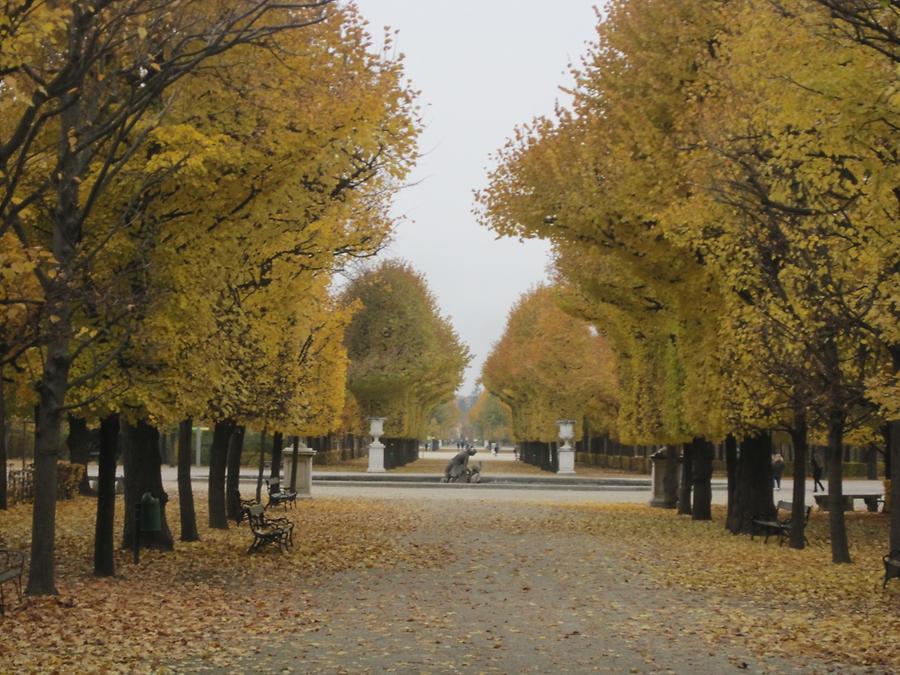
x,y
458,466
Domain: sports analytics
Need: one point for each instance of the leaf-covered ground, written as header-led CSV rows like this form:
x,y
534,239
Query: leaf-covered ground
x,y
773,598
444,586
205,600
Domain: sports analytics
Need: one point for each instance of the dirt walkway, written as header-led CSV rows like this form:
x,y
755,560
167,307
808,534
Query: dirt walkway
x,y
507,601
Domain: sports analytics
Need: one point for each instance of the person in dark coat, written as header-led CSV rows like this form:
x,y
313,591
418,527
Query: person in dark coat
x,y
817,473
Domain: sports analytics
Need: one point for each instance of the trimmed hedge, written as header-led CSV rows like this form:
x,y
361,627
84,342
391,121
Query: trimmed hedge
x,y
327,458
619,462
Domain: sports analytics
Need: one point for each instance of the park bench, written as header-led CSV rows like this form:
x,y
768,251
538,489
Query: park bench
x,y
244,513
278,496
872,499
12,566
891,566
278,531
775,526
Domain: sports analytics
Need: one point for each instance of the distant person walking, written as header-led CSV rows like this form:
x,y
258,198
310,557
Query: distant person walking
x,y
777,469
817,473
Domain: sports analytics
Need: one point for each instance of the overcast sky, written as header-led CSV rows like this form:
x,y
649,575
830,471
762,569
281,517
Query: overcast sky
x,y
483,67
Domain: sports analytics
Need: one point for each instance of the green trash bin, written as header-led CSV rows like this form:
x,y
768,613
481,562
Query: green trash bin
x,y
151,520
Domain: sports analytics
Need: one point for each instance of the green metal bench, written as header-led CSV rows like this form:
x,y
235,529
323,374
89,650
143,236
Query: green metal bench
x,y
12,566
777,527
891,566
278,531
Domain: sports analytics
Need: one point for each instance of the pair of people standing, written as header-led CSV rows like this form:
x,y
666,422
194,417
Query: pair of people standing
x,y
778,471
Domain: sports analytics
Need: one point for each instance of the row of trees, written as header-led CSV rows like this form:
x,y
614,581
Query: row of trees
x,y
406,360
179,184
722,199
548,366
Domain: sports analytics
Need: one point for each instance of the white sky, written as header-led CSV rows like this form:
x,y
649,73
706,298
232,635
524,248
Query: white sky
x,y
483,66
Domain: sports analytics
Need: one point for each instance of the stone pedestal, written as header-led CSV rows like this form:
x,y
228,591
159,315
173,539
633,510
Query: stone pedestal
x,y
376,457
659,464
303,485
566,455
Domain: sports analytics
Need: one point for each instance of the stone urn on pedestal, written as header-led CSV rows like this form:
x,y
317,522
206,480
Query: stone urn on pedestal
x,y
566,452
376,447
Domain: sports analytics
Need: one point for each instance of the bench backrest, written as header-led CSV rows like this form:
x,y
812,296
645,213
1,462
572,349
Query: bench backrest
x,y
785,506
788,507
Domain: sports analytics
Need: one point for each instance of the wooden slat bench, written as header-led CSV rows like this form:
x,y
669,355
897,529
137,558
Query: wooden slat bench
x,y
12,566
776,526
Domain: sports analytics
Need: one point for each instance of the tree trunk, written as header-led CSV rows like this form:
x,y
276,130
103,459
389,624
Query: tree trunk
x,y
798,498
701,476
232,485
143,473
78,441
262,464
889,431
684,489
51,398
104,529
753,489
277,443
295,456
840,548
872,462
731,472
185,488
164,449
218,457
4,454
894,452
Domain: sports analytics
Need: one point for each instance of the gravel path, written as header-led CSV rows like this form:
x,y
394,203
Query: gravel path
x,y
507,601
